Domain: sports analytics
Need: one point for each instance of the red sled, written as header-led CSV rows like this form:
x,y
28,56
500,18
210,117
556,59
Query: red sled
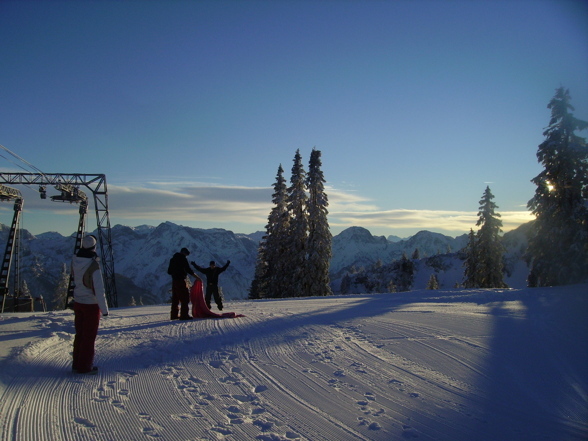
x,y
199,308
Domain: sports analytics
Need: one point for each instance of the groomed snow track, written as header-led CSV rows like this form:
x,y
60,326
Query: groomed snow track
x,y
484,365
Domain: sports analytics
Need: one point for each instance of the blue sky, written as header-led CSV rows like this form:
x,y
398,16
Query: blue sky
x,y
189,107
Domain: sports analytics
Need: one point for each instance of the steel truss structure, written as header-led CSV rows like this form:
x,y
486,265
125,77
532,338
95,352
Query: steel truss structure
x,y
96,183
11,254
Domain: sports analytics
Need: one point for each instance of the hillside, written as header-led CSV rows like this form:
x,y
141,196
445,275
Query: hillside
x,y
142,253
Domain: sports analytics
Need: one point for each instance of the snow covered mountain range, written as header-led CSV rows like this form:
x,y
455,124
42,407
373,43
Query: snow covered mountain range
x,y
141,256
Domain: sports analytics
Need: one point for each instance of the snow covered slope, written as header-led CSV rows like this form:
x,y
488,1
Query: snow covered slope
x,y
481,365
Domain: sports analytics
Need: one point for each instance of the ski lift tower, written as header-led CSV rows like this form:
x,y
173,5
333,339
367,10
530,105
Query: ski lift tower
x,y
12,246
68,185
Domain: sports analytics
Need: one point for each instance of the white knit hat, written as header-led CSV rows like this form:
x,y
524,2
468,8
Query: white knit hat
x,y
88,242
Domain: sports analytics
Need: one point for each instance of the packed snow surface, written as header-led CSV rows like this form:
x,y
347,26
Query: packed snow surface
x,y
426,365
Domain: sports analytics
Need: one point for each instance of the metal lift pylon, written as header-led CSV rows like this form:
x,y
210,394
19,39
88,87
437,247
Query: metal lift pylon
x,y
11,253
96,183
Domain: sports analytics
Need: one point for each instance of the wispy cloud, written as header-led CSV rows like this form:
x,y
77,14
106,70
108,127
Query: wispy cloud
x,y
349,209
192,203
435,220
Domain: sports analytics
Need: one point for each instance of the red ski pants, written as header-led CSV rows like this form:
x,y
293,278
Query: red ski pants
x,y
87,319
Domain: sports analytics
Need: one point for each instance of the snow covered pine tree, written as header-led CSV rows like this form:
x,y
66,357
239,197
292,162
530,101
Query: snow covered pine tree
x,y
558,245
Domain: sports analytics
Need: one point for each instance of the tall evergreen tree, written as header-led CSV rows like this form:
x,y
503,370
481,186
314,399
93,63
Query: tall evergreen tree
x,y
271,266
558,244
471,262
319,235
296,240
257,290
433,282
489,248
405,274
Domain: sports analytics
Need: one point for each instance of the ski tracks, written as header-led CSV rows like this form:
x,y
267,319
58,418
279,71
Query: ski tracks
x,y
289,370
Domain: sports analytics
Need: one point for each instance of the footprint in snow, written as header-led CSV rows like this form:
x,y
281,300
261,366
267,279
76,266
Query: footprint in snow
x,y
222,430
408,432
196,380
206,396
150,431
260,388
187,416
119,405
234,409
379,412
235,419
229,355
216,363
370,425
370,396
126,375
230,380
334,383
263,425
84,422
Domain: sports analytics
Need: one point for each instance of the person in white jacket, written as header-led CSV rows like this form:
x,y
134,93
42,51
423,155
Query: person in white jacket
x,y
89,302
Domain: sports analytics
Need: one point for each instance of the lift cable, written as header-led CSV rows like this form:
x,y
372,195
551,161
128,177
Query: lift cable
x,y
37,170
30,168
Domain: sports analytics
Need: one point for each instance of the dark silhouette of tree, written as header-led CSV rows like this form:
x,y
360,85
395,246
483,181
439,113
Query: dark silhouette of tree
x,y
319,235
471,262
433,282
296,241
269,279
558,244
489,247
484,252
405,277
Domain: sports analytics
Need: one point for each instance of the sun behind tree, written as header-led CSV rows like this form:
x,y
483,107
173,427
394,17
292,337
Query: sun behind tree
x,y
558,244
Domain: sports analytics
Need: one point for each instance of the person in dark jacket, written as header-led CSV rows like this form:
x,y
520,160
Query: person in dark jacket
x,y
212,273
178,269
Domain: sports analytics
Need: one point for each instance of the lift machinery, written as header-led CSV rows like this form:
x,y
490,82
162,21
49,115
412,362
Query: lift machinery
x,y
69,187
